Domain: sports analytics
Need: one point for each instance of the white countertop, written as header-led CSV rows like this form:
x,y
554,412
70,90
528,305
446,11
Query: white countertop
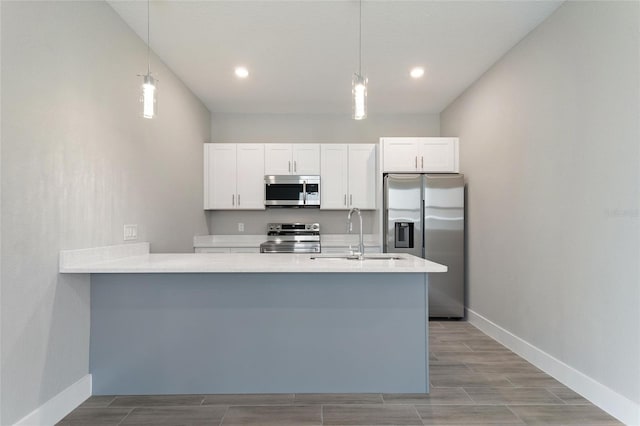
x,y
133,259
328,240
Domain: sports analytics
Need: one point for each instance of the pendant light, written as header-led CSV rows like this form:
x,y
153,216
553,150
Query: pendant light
x,y
149,96
359,83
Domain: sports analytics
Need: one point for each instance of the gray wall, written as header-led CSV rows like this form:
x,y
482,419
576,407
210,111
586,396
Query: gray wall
x,y
318,128
255,222
307,128
549,144
78,162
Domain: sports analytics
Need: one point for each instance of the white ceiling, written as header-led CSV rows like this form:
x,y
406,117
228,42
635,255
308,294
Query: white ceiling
x,y
302,54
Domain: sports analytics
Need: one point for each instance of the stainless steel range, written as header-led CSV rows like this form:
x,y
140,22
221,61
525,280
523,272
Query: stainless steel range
x,y
292,238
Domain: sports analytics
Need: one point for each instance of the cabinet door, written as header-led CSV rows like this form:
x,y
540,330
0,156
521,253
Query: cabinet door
x,y
400,154
207,178
306,159
362,176
221,176
439,155
333,176
250,176
336,250
212,250
244,250
277,159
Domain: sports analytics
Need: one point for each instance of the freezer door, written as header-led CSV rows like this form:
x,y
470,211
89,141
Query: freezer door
x,y
403,214
444,242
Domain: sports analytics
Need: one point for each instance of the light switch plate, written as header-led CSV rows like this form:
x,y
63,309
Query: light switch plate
x,y
240,227
130,232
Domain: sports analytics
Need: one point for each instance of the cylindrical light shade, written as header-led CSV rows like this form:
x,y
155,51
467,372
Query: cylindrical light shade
x,y
149,97
359,91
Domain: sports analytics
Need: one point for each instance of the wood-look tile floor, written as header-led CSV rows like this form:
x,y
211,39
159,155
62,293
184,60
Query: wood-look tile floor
x,y
474,381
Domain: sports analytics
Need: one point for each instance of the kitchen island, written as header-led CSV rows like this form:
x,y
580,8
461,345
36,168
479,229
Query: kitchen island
x,y
254,323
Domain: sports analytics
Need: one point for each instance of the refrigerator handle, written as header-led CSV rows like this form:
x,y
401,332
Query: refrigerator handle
x,y
424,226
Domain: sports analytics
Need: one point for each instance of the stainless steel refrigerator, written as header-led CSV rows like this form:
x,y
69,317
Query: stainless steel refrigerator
x,y
424,216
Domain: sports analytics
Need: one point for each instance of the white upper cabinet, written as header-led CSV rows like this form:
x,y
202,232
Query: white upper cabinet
x,y
219,170
334,176
278,158
400,154
438,155
250,176
348,176
233,176
292,159
362,176
306,159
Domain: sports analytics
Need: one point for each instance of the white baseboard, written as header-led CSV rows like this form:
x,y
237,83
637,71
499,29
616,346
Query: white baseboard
x,y
54,410
608,400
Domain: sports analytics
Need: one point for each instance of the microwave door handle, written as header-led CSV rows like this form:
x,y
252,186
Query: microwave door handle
x,y
304,192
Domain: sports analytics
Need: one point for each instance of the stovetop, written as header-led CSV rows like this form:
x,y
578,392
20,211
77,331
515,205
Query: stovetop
x,y
292,238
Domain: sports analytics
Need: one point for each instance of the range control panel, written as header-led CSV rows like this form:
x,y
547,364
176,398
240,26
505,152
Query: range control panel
x,y
279,227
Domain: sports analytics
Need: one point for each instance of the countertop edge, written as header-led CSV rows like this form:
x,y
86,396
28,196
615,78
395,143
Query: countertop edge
x,y
70,259
136,259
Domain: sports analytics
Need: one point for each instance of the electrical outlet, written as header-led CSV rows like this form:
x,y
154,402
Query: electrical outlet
x,y
240,227
130,232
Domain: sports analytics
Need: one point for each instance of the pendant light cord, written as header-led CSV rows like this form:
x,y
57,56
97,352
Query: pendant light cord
x,y
360,42
148,41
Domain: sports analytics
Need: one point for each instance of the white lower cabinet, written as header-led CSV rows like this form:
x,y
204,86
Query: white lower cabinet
x,y
212,250
348,176
227,250
233,176
244,249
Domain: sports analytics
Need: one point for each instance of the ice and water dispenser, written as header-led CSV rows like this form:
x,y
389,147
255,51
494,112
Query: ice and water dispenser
x,y
403,234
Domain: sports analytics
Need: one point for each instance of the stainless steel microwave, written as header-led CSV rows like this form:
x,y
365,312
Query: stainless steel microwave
x,y
291,191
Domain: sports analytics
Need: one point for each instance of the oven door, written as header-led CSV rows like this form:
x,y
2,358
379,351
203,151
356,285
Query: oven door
x,y
290,247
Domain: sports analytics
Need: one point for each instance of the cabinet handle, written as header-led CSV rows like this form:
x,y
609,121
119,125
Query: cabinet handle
x,y
345,199
350,199
422,162
238,199
416,162
295,166
233,199
289,166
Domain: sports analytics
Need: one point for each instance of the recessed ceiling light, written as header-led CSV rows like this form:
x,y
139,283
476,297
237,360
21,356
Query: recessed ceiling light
x,y
242,72
417,72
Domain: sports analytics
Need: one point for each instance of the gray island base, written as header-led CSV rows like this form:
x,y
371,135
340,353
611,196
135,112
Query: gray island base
x,y
176,333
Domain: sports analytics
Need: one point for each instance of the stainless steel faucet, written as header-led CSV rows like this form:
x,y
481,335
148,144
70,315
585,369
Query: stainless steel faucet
x,y
349,226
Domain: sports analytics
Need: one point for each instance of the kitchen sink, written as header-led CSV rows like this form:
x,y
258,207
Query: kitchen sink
x,y
355,257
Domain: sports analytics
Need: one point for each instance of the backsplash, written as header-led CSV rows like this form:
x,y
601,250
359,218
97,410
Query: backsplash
x,y
225,222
